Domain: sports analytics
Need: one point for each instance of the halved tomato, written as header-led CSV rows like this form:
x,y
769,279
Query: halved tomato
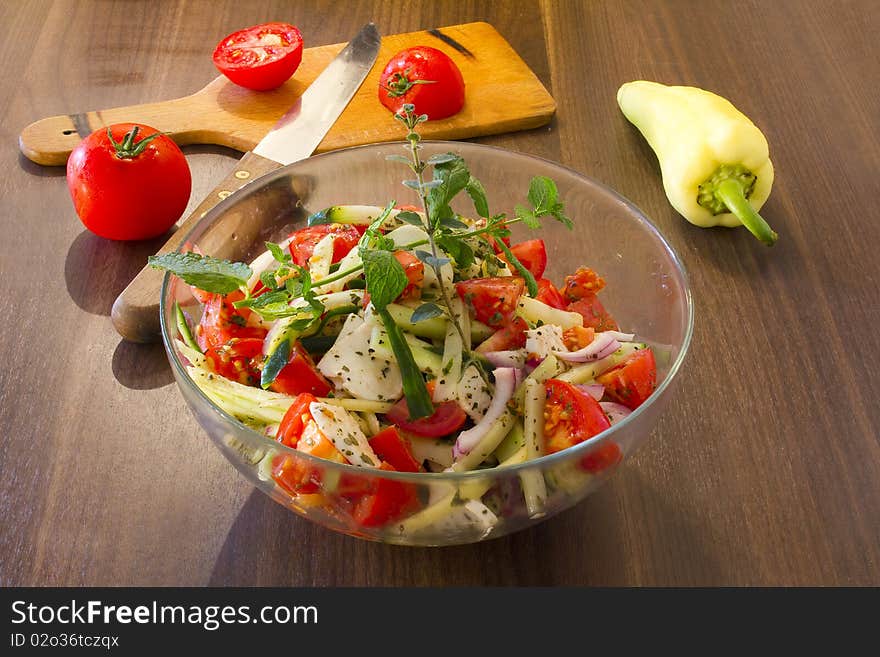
x,y
493,300
633,381
571,416
261,57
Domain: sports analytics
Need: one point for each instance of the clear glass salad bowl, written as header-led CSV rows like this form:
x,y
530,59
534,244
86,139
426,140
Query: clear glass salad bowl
x,y
647,293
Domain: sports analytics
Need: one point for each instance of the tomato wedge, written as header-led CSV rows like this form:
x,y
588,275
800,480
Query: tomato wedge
x,y
584,282
603,457
571,416
493,300
386,501
594,313
221,321
300,375
393,448
532,254
547,293
415,274
261,57
447,417
304,240
512,336
291,427
236,359
633,381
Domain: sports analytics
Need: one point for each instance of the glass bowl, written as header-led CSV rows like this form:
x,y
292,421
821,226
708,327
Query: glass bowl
x,y
647,292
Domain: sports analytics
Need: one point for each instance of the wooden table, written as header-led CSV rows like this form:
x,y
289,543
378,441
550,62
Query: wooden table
x,y
765,469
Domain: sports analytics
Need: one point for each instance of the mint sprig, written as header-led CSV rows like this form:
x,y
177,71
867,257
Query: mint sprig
x,y
204,272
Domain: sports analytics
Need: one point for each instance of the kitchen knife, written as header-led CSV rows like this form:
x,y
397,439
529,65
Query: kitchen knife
x,y
294,137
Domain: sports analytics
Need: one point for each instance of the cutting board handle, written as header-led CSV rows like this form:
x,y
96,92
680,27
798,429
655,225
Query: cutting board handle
x,y
49,141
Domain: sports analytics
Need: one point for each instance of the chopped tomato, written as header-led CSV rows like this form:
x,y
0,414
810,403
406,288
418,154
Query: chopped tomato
x,y
237,359
304,240
494,243
300,375
393,448
594,313
387,501
447,417
633,381
296,417
547,293
408,208
571,416
221,321
297,429
603,457
584,282
415,274
512,336
492,299
532,254
578,337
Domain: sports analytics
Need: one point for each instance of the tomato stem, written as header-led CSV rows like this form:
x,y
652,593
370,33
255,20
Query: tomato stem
x,y
127,148
400,84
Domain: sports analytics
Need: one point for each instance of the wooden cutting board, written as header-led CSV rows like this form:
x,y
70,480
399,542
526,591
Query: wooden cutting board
x,y
502,94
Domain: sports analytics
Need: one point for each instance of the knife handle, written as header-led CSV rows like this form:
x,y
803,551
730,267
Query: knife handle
x,y
135,312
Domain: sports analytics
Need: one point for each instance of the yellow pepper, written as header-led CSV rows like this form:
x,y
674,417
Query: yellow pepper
x,y
715,162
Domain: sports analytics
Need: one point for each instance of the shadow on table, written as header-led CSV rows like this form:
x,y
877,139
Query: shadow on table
x,y
97,270
141,366
589,545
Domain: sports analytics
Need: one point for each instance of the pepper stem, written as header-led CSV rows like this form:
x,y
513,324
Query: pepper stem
x,y
732,192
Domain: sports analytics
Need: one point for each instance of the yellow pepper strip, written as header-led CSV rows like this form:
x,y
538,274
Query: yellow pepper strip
x,y
714,161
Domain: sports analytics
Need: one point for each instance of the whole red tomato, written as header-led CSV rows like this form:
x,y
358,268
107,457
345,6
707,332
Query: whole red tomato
x,y
425,77
128,182
261,57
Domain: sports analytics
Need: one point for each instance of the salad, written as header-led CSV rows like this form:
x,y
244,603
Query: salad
x,y
412,339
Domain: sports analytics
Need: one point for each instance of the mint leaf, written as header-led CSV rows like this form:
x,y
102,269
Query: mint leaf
x,y
441,158
425,311
454,177
558,213
276,362
430,260
542,194
418,401
460,250
453,223
279,254
204,272
385,276
267,278
411,218
527,217
477,192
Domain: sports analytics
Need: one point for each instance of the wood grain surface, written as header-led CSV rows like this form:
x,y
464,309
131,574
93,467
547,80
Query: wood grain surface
x,y
765,468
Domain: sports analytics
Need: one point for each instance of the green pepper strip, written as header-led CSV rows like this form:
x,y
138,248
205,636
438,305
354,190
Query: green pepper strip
x,y
418,401
183,328
731,191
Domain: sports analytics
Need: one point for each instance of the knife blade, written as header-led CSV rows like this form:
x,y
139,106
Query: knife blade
x,y
135,313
